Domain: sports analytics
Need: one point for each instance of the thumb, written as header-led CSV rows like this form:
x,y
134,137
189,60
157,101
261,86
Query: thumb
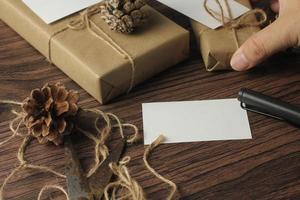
x,y
261,45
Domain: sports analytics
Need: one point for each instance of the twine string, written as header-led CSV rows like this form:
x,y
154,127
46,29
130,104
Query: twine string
x,y
147,152
84,21
11,102
13,130
115,190
52,187
232,23
23,164
50,43
100,138
101,150
133,137
14,124
219,17
14,127
125,181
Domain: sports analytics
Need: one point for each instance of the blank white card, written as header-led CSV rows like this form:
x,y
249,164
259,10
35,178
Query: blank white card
x,y
195,10
191,121
53,10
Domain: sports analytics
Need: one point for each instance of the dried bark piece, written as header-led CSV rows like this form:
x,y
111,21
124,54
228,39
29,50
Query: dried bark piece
x,y
102,176
78,188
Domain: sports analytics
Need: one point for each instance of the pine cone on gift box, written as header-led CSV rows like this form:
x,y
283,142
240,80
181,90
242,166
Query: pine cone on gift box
x,y
49,112
123,15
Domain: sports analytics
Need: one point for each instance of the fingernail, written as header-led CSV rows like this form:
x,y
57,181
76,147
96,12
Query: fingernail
x,y
239,62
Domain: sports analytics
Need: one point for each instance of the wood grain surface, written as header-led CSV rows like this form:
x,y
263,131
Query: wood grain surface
x,y
266,167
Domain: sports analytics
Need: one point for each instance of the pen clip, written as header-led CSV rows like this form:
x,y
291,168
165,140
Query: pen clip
x,y
245,107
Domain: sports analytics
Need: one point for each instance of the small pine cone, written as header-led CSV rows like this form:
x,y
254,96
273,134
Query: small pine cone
x,y
49,112
137,17
113,3
128,7
128,21
123,15
139,3
118,13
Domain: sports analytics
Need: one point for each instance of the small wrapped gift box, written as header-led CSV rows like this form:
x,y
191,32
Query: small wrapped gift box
x,y
217,46
103,62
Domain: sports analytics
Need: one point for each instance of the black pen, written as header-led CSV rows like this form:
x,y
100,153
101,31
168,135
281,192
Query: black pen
x,y
260,103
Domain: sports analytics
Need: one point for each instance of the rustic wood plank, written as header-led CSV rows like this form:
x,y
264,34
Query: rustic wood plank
x,y
267,167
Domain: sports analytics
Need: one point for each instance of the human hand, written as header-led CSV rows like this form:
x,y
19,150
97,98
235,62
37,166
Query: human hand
x,y
283,33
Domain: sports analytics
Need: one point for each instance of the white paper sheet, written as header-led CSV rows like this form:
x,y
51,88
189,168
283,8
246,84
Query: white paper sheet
x,y
53,10
191,121
195,10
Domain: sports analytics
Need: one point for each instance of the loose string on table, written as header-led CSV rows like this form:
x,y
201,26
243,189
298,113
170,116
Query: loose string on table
x,y
101,150
24,164
52,187
125,181
147,152
14,127
115,190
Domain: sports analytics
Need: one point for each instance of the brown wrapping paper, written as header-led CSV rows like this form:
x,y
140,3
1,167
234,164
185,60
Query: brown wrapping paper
x,y
218,46
90,62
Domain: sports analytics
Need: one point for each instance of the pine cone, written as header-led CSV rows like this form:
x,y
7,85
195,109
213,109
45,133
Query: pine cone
x,y
49,112
123,15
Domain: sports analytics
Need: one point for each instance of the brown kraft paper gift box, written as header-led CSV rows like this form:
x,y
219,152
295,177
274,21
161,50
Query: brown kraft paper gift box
x,y
91,62
217,46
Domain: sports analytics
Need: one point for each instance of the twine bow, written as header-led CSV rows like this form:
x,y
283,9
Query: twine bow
x,y
232,23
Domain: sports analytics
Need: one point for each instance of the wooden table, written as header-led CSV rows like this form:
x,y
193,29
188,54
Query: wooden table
x,y
266,167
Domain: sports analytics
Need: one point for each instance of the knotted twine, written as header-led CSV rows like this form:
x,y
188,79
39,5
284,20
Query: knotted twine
x,y
125,181
232,23
85,22
101,150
